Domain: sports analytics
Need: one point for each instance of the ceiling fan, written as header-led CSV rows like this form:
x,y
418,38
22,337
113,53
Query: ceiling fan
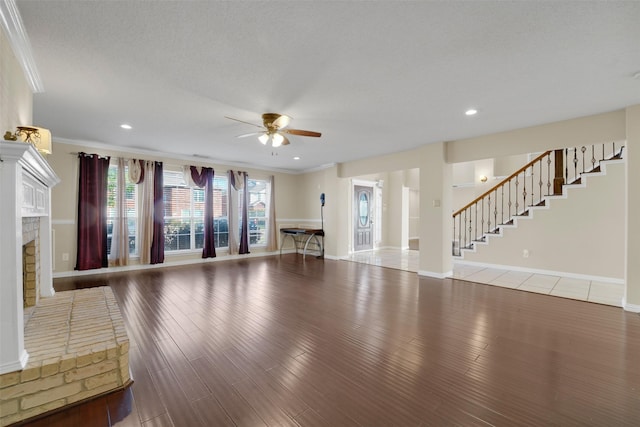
x,y
273,128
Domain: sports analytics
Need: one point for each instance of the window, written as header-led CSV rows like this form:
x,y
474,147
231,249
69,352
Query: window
x,y
220,212
258,211
131,201
184,213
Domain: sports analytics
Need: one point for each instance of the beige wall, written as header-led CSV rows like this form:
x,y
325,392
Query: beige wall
x,y
588,130
397,220
390,162
580,234
15,94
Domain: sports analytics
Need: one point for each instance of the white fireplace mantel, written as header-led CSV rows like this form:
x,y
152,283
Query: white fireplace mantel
x,y
25,191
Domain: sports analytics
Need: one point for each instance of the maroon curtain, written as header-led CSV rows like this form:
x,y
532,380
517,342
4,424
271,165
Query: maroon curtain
x,y
204,179
244,234
92,212
157,244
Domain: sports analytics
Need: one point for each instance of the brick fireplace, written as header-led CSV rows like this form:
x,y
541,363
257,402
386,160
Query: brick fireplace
x,y
25,213
30,261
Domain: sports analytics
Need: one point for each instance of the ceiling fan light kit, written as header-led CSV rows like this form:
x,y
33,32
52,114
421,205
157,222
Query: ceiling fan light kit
x,y
274,127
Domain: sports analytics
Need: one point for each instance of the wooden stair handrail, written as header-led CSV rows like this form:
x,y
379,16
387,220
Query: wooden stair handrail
x,y
501,183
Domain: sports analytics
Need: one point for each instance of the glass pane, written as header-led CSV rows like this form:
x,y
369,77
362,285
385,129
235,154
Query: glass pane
x,y
109,234
363,209
177,234
198,226
132,225
177,202
221,232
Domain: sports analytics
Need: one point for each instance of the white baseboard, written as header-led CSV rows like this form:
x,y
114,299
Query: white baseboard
x,y
435,275
603,279
633,308
136,267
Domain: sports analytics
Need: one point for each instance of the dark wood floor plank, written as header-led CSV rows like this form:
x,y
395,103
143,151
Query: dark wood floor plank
x,y
306,386
123,411
237,408
178,405
188,380
282,341
160,421
144,390
279,395
211,412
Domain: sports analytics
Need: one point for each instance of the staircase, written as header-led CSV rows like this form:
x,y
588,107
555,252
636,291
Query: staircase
x,y
531,187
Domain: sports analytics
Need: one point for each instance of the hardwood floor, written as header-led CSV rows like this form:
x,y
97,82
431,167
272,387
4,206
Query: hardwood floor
x,y
279,341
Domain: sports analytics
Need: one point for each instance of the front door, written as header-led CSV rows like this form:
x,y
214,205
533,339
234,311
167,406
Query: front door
x,y
362,224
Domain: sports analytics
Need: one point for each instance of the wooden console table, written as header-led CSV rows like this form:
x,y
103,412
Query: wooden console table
x,y
302,237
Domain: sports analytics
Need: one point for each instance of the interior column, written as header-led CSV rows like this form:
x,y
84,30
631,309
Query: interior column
x,y
632,275
435,212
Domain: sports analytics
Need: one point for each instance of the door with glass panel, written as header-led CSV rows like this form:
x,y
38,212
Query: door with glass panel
x,y
362,221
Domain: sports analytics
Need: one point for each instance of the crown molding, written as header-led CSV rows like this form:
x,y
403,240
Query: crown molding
x,y
14,29
152,154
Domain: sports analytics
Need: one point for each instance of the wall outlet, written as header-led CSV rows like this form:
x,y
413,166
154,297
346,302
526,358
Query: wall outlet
x,y
65,256
525,253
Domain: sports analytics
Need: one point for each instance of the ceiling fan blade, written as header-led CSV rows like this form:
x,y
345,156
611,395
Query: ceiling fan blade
x,y
301,132
282,121
244,135
242,121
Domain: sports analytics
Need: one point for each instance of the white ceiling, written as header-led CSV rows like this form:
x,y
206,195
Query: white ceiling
x,y
373,77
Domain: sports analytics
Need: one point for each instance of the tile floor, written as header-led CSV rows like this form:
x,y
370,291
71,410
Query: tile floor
x,y
407,260
585,290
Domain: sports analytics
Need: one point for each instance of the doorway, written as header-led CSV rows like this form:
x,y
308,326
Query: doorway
x,y
363,234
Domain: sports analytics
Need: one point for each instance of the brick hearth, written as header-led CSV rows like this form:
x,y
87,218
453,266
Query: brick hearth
x,y
78,349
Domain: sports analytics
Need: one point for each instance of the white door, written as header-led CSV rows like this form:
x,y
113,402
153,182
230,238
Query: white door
x,y
362,223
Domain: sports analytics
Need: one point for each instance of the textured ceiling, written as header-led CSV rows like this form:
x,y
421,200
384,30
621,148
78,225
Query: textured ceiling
x,y
373,77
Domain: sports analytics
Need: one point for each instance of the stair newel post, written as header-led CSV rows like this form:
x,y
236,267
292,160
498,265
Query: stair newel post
x,y
453,241
558,179
549,174
566,163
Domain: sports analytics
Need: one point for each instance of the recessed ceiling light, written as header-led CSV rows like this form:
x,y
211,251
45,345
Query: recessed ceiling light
x,y
296,158
125,126
471,112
